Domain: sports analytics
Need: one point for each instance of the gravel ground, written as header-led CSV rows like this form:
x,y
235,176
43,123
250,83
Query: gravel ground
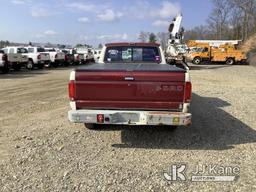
x,y
41,151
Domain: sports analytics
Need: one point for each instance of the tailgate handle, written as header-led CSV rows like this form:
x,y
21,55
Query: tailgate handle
x,y
129,78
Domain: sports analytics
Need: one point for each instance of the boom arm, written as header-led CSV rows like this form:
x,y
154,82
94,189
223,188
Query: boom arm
x,y
176,31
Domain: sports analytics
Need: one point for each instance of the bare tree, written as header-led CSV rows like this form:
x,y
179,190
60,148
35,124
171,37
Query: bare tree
x,y
247,20
143,36
163,39
218,18
199,32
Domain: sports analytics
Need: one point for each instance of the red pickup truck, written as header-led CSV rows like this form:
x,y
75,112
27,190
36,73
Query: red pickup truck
x,y
132,85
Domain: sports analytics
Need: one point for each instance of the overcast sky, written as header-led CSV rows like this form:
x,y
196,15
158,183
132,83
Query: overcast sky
x,y
93,21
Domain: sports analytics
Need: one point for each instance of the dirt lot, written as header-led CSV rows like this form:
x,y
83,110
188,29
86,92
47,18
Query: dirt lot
x,y
41,151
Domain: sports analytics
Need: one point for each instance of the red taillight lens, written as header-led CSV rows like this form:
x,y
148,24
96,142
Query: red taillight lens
x,y
188,89
72,90
100,118
77,57
39,56
66,57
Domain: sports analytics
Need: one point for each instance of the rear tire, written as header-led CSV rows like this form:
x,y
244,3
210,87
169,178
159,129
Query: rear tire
x,y
230,61
30,65
90,126
197,60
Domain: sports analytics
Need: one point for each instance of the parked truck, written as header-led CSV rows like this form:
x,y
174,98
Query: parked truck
x,y
37,57
133,85
87,52
15,58
72,57
4,64
57,58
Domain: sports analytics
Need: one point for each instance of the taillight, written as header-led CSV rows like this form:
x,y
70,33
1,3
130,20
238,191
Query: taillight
x,y
72,90
188,89
56,56
77,57
66,57
39,56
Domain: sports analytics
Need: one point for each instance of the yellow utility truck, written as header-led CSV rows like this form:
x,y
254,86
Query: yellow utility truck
x,y
203,51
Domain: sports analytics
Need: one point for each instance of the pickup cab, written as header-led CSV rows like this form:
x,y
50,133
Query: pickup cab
x,y
132,85
37,57
15,58
4,65
57,58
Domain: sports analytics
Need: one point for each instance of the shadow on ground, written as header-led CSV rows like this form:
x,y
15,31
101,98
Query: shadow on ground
x,y
212,129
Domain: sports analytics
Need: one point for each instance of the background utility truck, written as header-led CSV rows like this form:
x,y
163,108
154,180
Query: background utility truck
x,y
222,52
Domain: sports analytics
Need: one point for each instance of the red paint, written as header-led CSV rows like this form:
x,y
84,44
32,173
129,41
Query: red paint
x,y
110,90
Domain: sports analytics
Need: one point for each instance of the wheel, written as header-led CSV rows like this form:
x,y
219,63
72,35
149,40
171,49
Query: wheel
x,y
197,60
90,126
230,61
30,65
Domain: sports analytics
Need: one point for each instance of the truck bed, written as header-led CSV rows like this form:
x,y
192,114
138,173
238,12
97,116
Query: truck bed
x,y
130,86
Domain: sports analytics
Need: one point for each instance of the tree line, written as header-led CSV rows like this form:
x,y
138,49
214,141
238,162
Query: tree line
x,y
228,20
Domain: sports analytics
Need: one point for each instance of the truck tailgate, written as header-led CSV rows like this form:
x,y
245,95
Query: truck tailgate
x,y
14,57
132,86
45,56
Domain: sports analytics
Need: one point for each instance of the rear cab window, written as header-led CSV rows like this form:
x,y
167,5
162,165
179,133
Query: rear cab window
x,y
22,50
132,54
40,50
50,50
31,50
